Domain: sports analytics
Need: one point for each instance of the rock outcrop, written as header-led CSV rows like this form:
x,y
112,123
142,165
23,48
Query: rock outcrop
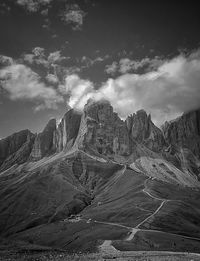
x,y
67,130
13,143
20,156
142,130
102,130
184,132
43,144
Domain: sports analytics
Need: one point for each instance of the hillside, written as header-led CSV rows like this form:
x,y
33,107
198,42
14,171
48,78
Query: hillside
x,y
96,183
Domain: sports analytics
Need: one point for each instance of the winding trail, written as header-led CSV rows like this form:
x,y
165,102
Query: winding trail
x,y
92,157
107,247
133,230
157,210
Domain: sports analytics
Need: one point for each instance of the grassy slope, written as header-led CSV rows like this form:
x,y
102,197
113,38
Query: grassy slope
x,y
39,189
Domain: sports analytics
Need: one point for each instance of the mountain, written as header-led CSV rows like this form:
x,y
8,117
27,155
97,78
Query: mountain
x,y
95,182
102,131
15,149
43,143
142,129
67,131
183,137
184,131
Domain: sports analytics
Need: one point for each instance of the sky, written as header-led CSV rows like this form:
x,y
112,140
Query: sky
x,y
56,54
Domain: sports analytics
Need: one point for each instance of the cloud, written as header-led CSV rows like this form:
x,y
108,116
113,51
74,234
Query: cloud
x,y
126,65
5,60
73,15
29,58
44,12
37,57
166,92
71,70
54,36
88,62
112,68
46,64
33,6
79,90
21,83
38,51
46,24
55,57
4,8
52,79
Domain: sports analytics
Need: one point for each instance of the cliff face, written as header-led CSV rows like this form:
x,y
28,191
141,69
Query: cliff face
x,y
10,145
142,130
100,131
184,132
43,144
67,130
20,156
103,131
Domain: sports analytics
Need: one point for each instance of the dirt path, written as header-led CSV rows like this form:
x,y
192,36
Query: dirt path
x,y
153,256
93,157
107,244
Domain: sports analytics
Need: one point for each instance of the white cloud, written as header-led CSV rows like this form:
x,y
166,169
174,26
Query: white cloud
x,y
21,83
112,68
46,24
99,59
29,58
126,65
166,92
71,70
36,57
39,57
88,62
33,5
79,90
54,57
46,64
52,79
73,15
45,12
38,51
5,60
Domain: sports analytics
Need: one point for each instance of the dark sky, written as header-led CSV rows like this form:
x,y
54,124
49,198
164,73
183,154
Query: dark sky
x,y
89,35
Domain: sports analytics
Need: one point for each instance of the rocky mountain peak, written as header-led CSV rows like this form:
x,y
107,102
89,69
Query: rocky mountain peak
x,y
184,131
99,110
143,130
67,130
43,144
50,125
102,130
10,146
98,129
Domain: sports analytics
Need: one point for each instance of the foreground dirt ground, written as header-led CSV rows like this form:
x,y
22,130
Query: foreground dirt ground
x,y
122,256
